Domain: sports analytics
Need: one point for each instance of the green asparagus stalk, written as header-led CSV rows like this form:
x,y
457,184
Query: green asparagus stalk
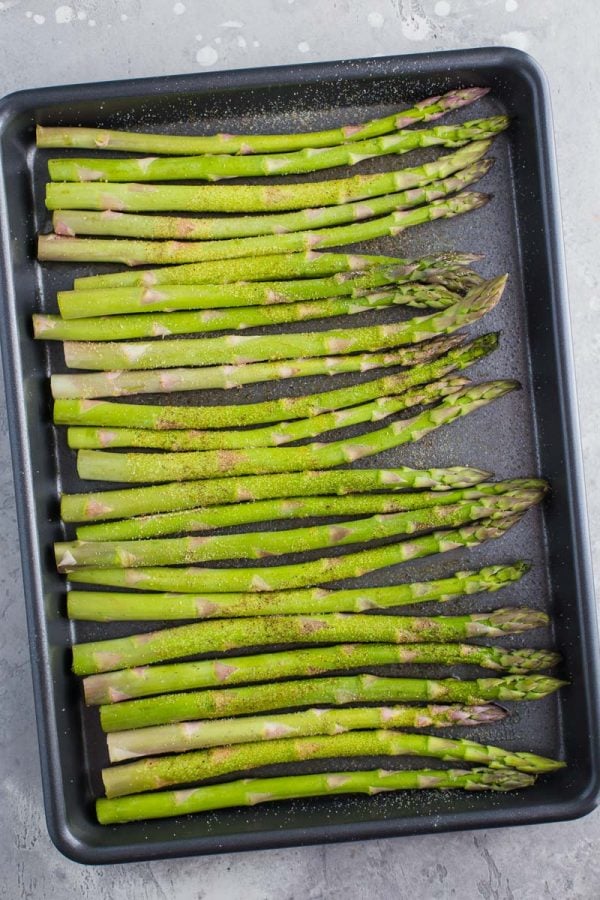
x,y
256,198
238,349
280,267
138,501
272,435
251,791
107,606
214,168
99,465
334,691
269,268
136,142
143,325
169,297
143,681
136,252
107,414
177,738
258,545
217,636
151,227
162,381
168,771
203,519
278,578
190,228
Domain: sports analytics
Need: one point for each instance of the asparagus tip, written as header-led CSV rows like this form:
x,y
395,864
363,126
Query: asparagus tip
x,y
474,93
482,713
507,780
479,199
485,165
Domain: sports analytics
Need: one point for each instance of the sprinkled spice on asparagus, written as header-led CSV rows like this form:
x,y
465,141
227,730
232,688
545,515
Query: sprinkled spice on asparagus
x,y
177,738
320,571
242,349
89,385
163,418
163,324
271,268
168,771
157,467
335,691
190,228
110,606
228,634
264,544
251,791
143,681
205,519
52,247
136,142
214,168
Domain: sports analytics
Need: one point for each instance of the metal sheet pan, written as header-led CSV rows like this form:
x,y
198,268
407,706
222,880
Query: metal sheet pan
x,y
534,431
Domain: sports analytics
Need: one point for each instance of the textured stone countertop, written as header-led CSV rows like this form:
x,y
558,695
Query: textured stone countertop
x,y
43,43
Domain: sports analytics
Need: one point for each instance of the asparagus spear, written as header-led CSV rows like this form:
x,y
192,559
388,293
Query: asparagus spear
x,y
168,497
118,301
72,222
214,168
161,381
190,228
107,414
277,578
167,771
102,138
176,418
202,519
335,691
98,465
257,545
256,198
165,418
107,606
251,791
211,637
260,544
269,268
114,687
272,435
135,253
144,325
177,738
116,327
144,198
239,349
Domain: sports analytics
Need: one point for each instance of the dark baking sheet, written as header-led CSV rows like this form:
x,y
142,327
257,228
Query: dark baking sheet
x,y
530,432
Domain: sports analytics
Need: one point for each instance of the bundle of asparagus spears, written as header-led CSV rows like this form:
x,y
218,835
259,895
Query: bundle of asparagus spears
x,y
215,466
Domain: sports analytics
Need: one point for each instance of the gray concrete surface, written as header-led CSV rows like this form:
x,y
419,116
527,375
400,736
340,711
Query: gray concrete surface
x,y
45,43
